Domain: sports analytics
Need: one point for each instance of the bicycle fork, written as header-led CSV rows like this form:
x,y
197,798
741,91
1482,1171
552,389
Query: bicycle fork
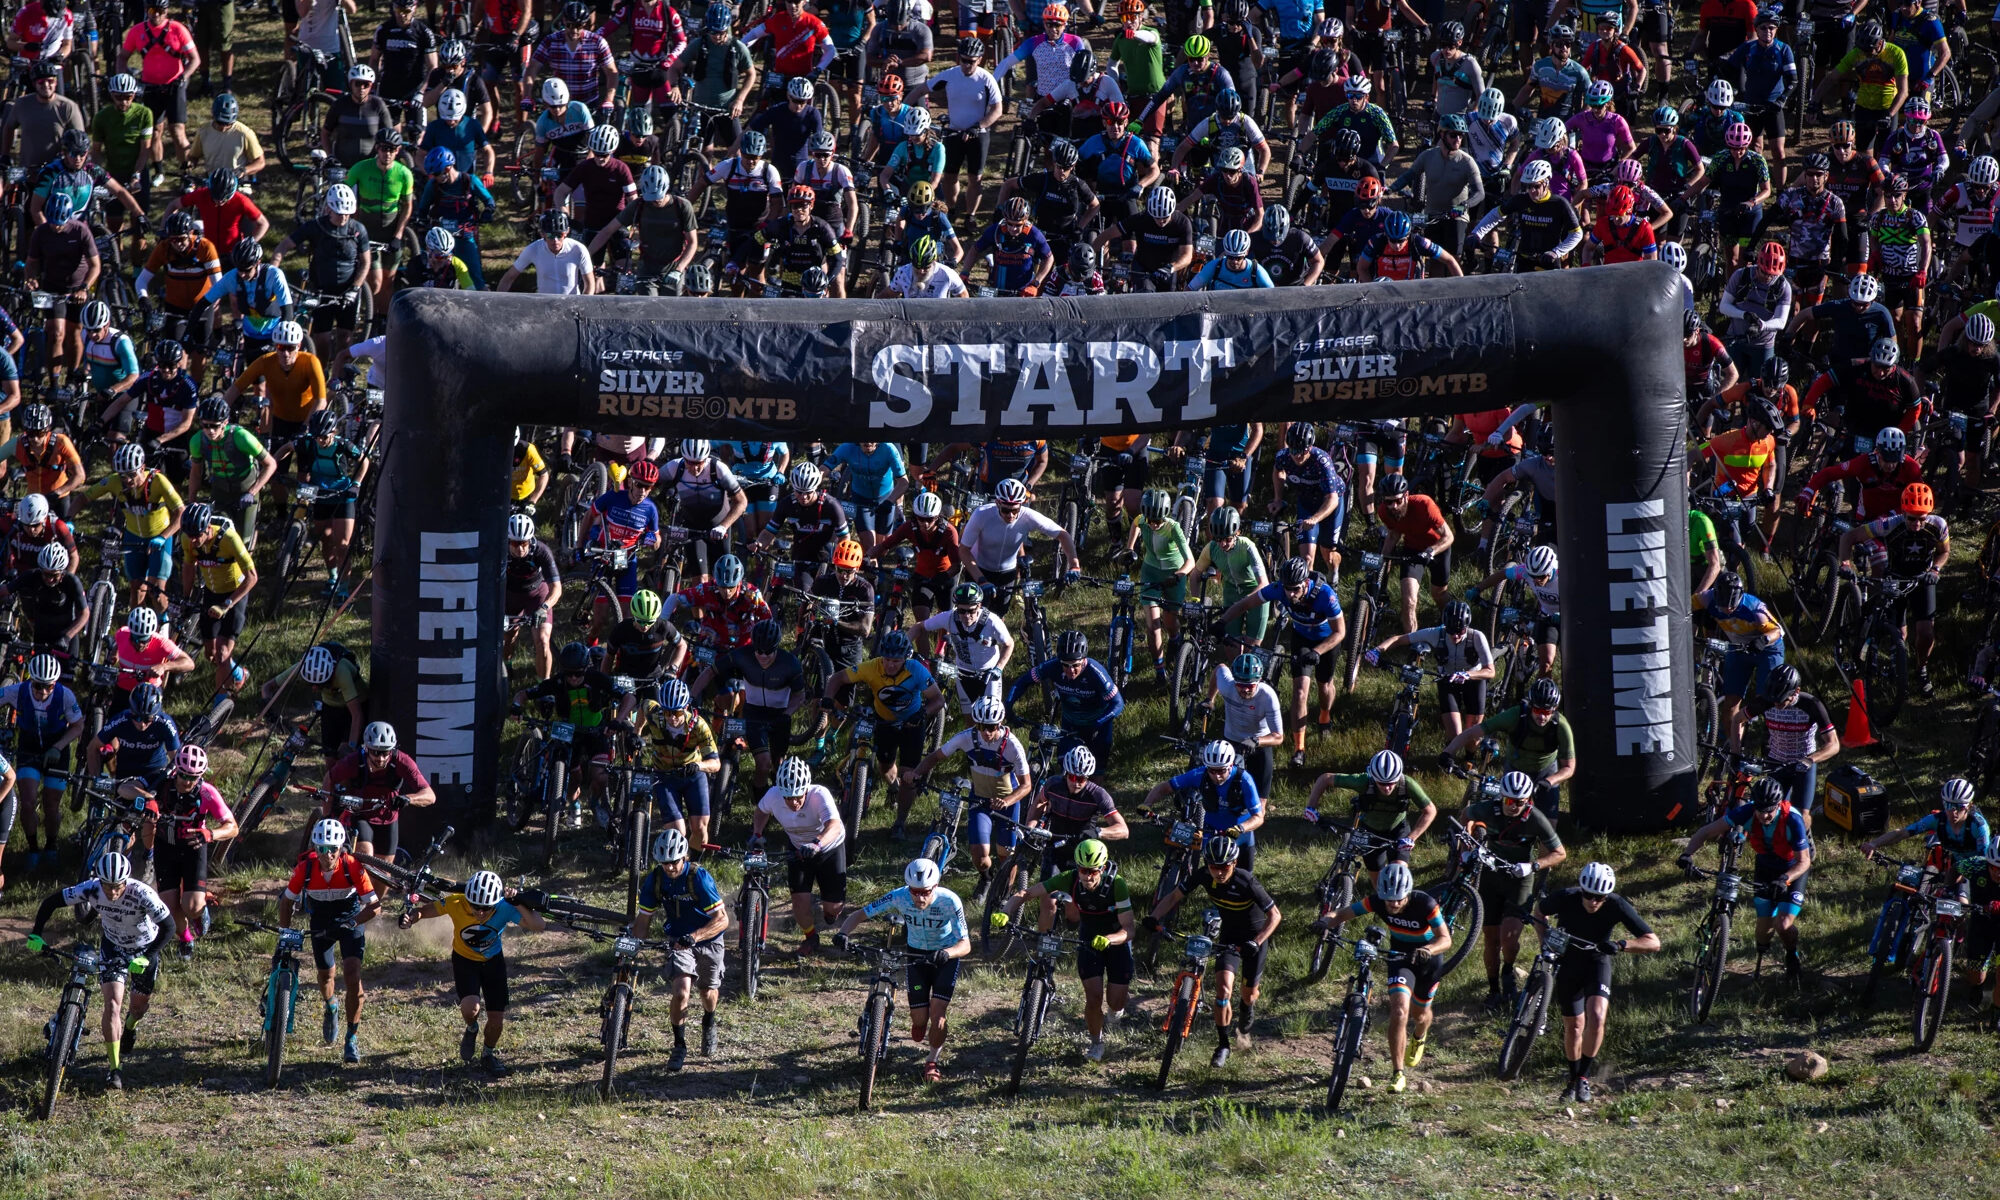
x,y
275,993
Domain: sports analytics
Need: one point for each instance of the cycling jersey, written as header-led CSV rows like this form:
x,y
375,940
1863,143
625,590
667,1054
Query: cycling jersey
x,y
1970,211
996,769
1313,478
473,937
132,922
585,704
1116,160
1088,700
977,647
149,508
1912,542
184,815
763,687
1896,238
146,751
1547,226
1014,255
1070,810
690,902
938,551
994,543
1223,805
747,188
1420,923
729,619
1920,156
1740,460
1369,122
677,747
1548,595
1399,260
911,161
1816,219
938,925
1313,614
1240,567
938,282
224,563
899,697
1738,177
626,524
1794,732
1972,837
1669,163
800,43
1779,842
1880,491
331,895
1751,625
699,494
791,247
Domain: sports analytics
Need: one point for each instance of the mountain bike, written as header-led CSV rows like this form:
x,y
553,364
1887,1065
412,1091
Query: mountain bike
x,y
1353,1026
1180,868
1196,950
1194,662
615,1010
64,1032
1336,888
112,822
877,1010
99,644
857,770
1122,632
1457,894
1915,930
1026,864
1708,731
941,841
262,798
294,548
1038,991
1863,625
1402,726
1369,599
1034,618
280,1001
1076,507
1531,1014
540,779
753,918
1711,948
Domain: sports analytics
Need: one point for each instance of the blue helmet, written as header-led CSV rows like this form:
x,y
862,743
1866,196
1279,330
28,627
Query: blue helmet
x,y
719,16
145,702
439,159
59,208
225,109
1396,226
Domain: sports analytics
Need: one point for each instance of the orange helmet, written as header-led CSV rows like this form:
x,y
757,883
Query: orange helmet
x,y
1055,14
1131,10
1370,188
1917,500
801,196
847,554
1771,258
1620,202
891,85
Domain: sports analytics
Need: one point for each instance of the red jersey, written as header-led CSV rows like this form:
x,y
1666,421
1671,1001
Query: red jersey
x,y
1881,491
795,41
1421,526
353,776
1706,350
729,619
937,551
334,893
1629,240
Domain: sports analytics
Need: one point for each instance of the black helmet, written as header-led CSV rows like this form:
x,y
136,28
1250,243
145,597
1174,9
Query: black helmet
x,y
1690,323
1236,12
168,353
391,137
44,69
576,13
1392,487
765,636
1782,682
1545,694
37,418
1457,616
1300,435
1072,646
1294,572
1346,143
572,658
1062,152
180,223
1220,850
1451,33
221,184
1224,522
1818,162
1868,34
211,410
320,424
1322,64
1766,793
248,255
1082,258
1229,105
1082,67
75,141
555,223
1775,374
1727,592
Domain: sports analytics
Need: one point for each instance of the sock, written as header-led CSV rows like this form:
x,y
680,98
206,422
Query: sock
x,y
681,1035
707,1021
353,1027
809,931
1325,716
1246,1014
114,1053
937,1052
1493,985
1222,1033
1575,1069
1585,1065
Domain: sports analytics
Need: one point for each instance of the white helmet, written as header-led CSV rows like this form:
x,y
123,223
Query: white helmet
x,y
32,510
53,557
1674,255
1983,171
1080,761
917,122
1956,792
987,710
112,868
1864,289
361,73
1598,879
1890,440
43,668
695,449
1492,102
1541,561
329,832
927,505
1161,202
603,140
288,333
794,776
340,199
317,666
380,735
1721,94
142,623
1979,329
555,93
798,87
654,184
1885,352
484,889
1218,754
670,845
1386,767
1011,491
128,458
451,105
806,478
922,873
520,528
1394,882
1537,172
1549,133
1517,785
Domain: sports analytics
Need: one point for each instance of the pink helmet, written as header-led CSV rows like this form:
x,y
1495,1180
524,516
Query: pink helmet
x,y
191,761
1918,109
1628,172
1738,136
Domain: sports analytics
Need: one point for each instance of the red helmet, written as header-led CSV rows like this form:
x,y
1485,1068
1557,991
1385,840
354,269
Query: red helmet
x,y
1619,203
801,196
1917,499
1117,114
645,471
891,85
1370,188
1771,258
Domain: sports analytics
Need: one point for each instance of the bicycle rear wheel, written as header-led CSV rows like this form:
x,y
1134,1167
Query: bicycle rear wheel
x,y
1464,912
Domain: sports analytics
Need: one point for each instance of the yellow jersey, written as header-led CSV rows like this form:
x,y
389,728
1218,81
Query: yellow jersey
x,y
148,509
224,563
673,750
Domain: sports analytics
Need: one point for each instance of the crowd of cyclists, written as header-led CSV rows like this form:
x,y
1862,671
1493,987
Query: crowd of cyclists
x,y
824,629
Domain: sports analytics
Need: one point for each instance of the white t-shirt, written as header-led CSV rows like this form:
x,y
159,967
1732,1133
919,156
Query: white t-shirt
x,y
557,273
803,826
967,97
1247,720
941,281
995,544
976,650
376,351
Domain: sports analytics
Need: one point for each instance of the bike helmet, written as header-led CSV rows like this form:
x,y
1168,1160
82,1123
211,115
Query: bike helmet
x,y
1397,226
1196,47
1294,572
1918,109
167,353
847,554
603,140
555,93
1674,255
799,88
1549,133
928,505
923,252
438,243
1072,646
1738,136
1545,694
1721,93
921,875
1228,104
670,846
1597,879
1161,203
32,509
58,209
1300,435
1357,87
729,571
1394,882
1456,616
181,223
800,195
145,701
1392,487
198,518
1956,793
1083,68
1010,491
917,123
1492,103
1766,793
1517,785
894,644
1864,289
97,315
1598,94
191,762
755,144
453,52
1560,35
122,84
1541,562
645,607
1246,668
639,121
645,473
329,834
696,449
674,696
1916,500
1117,115
1063,154
112,868
1232,158
1224,523
1979,329
142,623
340,201
794,776
555,223
765,636
1619,202
1079,762
1898,184
320,424
379,736
1091,855
806,477
1346,145
1629,172
1082,260
988,711
719,18
573,659
700,279
966,597
654,184
43,668
53,558
1885,352
316,667
521,528
128,459
1983,171
1451,33
1727,592
1386,767
1220,851
1218,756
484,890
1453,123
1277,224
1236,243
361,73
1536,173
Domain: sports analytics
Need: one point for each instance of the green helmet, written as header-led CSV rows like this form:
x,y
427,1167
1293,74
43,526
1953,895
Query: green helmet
x,y
1091,855
645,607
967,595
924,251
1247,668
1196,47
1156,504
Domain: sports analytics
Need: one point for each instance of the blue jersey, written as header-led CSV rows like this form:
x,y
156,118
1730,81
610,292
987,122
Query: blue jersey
x,y
689,903
1313,478
1118,162
933,223
38,724
756,462
264,297
871,477
1975,838
1768,71
1313,616
568,131
938,925
1014,256
1232,802
1089,699
146,751
1217,276
1296,18
623,523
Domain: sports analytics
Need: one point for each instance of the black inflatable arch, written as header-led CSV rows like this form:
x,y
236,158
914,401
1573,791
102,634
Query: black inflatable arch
x,y
1602,345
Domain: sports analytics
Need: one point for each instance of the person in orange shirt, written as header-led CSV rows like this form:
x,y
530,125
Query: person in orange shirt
x,y
1772,386
48,460
186,268
1123,471
1413,523
292,381
1746,461
1479,428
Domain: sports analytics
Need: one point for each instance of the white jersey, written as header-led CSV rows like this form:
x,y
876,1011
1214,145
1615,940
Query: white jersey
x,y
803,826
994,543
1548,595
1244,721
995,770
132,921
975,649
938,283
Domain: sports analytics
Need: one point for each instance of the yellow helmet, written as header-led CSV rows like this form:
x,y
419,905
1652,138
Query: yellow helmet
x,y
920,192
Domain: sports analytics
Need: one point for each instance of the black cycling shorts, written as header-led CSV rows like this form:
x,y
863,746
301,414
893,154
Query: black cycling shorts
x,y
929,981
1323,670
1419,977
486,978
180,868
1465,698
1115,963
1439,568
1578,978
1244,959
350,940
825,872
767,729
225,628
899,743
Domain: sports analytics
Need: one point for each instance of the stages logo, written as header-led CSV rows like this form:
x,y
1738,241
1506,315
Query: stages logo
x,y
657,383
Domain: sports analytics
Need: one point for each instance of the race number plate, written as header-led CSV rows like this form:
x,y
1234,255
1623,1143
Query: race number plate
x,y
307,493
1032,587
1048,733
562,731
1051,944
290,940
1726,887
1371,562
1122,588
1182,834
864,728
1950,908
643,781
732,727
1200,946
626,945
1556,942
1909,877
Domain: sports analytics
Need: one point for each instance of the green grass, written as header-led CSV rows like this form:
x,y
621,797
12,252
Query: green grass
x,y
1687,1110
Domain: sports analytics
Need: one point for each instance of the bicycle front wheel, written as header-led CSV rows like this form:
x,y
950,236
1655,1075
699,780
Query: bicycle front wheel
x,y
1027,1023
1179,1018
1933,985
1710,958
750,916
278,1001
61,1048
1529,1018
874,1043
1346,1052
615,1014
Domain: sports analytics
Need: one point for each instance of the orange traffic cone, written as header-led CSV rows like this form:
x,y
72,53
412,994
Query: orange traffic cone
x,y
1857,734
